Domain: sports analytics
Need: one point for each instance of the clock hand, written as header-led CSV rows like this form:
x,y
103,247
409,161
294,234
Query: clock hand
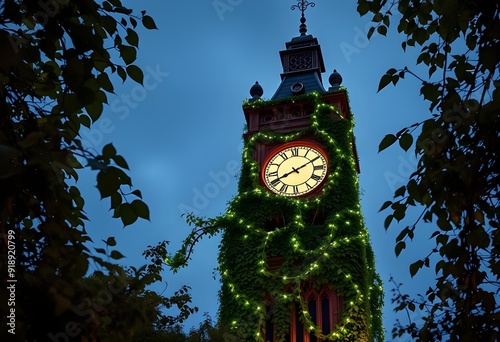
x,y
300,167
289,173
296,169
285,175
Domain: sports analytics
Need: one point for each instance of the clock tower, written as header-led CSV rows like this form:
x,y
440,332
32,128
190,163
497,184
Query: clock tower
x,y
295,257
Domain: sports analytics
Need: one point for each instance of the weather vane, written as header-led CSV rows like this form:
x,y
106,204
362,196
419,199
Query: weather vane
x,y
302,5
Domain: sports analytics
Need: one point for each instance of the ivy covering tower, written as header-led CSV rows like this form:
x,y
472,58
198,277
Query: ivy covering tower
x,y
295,257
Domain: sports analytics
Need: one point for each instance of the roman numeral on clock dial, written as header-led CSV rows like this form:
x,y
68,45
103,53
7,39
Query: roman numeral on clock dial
x,y
284,188
315,177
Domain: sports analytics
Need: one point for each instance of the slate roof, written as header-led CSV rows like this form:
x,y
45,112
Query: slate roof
x,y
309,79
302,62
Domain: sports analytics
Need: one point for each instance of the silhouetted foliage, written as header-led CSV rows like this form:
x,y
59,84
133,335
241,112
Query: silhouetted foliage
x,y
56,65
457,178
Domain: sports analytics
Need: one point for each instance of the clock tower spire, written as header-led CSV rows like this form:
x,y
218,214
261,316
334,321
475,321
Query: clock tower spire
x,y
302,5
295,258
302,61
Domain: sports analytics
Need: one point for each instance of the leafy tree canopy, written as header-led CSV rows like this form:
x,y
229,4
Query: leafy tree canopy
x,y
55,67
457,178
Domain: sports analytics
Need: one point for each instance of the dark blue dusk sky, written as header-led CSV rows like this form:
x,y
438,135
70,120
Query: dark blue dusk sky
x,y
181,133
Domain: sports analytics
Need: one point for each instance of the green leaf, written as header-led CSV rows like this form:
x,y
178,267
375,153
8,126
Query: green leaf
x,y
116,255
116,200
107,6
399,247
489,57
133,22
420,35
413,190
399,211
135,73
127,214
94,110
479,238
386,21
108,182
439,265
122,176
141,209
399,192
100,250
104,82
430,91
128,53
378,17
109,151
443,222
403,234
405,141
120,161
109,24
388,140
385,205
132,38
388,221
85,120
432,70
391,71
137,193
451,250
442,239
382,30
415,267
363,8
471,41
149,23
122,73
370,32
384,81
403,24
395,79
111,241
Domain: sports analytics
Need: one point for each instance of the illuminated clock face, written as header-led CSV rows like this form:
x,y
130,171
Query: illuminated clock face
x,y
295,169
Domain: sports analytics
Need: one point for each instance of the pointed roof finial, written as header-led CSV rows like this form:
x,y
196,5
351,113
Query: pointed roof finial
x,y
302,5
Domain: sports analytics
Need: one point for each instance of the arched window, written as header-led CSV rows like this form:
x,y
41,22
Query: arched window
x,y
325,309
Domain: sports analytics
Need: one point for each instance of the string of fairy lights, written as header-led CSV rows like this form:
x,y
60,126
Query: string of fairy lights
x,y
323,252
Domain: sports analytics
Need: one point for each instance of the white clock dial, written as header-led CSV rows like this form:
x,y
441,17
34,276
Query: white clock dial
x,y
295,169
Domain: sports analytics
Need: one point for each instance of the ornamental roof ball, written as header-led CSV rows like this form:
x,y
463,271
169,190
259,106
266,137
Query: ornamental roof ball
x,y
256,91
335,80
